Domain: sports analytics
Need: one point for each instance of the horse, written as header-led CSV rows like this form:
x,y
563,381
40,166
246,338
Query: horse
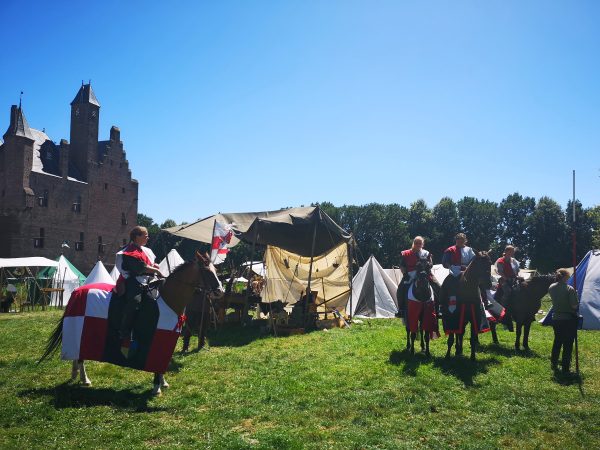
x,y
421,308
197,319
176,292
524,304
466,299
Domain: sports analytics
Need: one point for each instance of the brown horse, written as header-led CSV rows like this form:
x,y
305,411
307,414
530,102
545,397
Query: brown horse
x,y
426,292
525,302
468,306
177,292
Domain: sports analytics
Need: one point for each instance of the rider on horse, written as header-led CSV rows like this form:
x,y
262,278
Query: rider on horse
x,y
508,269
457,257
136,264
408,263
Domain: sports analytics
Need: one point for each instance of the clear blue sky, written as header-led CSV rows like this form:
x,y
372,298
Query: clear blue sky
x,y
254,105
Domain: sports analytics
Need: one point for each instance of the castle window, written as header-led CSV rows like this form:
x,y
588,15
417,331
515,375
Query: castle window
x,y
39,241
3,192
79,244
100,245
122,190
77,205
106,186
123,219
43,199
111,162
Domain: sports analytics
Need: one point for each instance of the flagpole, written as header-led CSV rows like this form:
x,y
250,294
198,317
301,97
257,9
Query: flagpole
x,y
575,277
212,238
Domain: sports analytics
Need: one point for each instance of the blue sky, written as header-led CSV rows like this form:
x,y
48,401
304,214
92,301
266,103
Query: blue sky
x,y
255,105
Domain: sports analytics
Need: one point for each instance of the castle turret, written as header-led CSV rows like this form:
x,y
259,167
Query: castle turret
x,y
18,144
85,115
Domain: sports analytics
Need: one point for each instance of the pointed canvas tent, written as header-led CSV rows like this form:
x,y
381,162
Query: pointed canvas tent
x,y
373,292
588,291
114,273
174,260
99,274
65,276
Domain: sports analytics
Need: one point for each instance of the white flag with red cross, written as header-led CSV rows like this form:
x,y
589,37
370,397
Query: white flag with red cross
x,y
222,234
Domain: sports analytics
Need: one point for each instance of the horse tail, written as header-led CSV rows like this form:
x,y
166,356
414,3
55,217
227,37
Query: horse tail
x,y
53,341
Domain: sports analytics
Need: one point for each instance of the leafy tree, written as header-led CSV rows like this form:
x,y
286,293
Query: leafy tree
x,y
419,220
479,221
594,215
394,234
514,225
548,230
445,225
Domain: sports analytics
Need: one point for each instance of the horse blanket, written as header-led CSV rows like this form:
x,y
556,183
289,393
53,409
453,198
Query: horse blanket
x,y
91,330
424,311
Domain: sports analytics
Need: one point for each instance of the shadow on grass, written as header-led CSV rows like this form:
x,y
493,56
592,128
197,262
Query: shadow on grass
x,y
509,352
569,379
234,335
69,395
460,367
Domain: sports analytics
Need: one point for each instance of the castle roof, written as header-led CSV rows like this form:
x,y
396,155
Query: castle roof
x,y
85,95
18,123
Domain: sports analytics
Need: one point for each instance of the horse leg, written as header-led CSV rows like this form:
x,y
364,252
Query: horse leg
x,y
450,343
157,382
74,370
526,335
494,333
407,339
82,374
459,343
474,342
422,340
413,336
518,337
427,344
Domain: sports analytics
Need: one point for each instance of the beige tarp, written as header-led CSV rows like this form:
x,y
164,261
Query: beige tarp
x,y
287,277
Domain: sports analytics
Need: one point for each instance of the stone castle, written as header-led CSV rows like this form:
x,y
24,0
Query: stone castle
x,y
77,198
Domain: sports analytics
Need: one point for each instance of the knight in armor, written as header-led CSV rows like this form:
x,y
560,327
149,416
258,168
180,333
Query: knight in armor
x,y
408,264
457,258
135,262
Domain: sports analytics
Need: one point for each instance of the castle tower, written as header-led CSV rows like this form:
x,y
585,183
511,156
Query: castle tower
x,y
85,115
18,144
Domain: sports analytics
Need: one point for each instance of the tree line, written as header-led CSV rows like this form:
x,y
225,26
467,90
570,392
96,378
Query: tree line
x,y
541,230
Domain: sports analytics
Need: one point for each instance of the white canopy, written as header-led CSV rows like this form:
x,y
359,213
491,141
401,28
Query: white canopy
x,y
32,261
174,259
373,292
99,274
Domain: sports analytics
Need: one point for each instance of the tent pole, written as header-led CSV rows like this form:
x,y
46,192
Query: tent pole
x,y
350,258
312,257
575,276
166,254
249,285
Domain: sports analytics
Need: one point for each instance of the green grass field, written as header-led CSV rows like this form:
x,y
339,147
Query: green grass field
x,y
353,388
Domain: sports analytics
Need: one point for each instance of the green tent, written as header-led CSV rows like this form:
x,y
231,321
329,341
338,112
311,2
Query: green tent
x,y
63,262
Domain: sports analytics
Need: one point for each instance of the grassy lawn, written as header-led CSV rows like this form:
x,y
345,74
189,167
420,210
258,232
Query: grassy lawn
x,y
352,388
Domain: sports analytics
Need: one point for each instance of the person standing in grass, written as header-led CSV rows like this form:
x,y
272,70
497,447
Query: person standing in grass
x,y
564,319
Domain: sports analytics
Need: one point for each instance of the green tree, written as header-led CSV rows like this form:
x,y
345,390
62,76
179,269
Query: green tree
x,y
419,220
594,214
514,225
479,221
548,229
394,234
445,225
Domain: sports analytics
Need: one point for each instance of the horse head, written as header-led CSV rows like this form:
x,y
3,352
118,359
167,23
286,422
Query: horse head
x,y
422,284
480,269
180,285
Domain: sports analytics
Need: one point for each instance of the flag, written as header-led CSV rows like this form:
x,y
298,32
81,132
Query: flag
x,y
222,234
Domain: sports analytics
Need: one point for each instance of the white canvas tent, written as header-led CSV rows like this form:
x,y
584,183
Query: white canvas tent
x,y
99,274
174,260
588,291
373,292
114,274
32,261
64,278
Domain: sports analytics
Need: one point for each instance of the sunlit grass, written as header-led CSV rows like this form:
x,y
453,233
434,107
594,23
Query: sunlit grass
x,y
352,388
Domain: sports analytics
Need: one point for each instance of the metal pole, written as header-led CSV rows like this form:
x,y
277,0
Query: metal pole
x,y
350,259
312,256
575,277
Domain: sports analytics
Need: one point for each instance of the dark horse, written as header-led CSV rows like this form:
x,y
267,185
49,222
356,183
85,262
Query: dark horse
x,y
460,301
424,292
524,304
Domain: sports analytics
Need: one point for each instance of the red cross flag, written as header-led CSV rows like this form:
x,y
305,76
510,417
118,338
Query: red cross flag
x,y
222,234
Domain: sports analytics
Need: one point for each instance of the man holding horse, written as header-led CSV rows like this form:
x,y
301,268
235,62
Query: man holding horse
x,y
136,265
564,319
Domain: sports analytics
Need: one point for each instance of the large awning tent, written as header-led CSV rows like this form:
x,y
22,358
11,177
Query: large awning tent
x,y
300,236
18,271
588,291
170,262
65,277
373,292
